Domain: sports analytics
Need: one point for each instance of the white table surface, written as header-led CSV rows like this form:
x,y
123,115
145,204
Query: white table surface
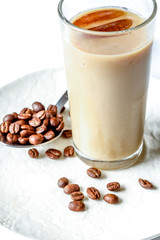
x,y
30,41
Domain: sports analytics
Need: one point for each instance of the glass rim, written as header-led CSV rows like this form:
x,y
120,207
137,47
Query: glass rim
x,y
66,21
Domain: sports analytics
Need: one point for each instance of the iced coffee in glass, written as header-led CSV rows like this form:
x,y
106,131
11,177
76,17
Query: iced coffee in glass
x,y
107,52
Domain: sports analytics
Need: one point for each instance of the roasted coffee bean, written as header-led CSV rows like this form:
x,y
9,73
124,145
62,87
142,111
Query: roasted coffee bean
x,y
23,110
14,128
67,133
35,122
63,109
33,153
93,193
52,108
53,153
113,186
69,151
60,127
145,183
24,116
41,114
60,117
93,172
36,139
23,141
8,117
62,182
26,111
12,138
27,127
54,122
26,133
77,196
46,122
49,114
21,122
49,135
41,129
2,137
15,115
5,126
77,206
37,106
110,198
68,189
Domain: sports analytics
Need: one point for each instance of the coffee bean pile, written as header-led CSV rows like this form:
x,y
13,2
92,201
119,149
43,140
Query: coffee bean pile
x,y
94,193
77,196
32,126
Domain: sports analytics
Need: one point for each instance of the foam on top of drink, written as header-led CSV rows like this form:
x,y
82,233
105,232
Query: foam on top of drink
x,y
107,20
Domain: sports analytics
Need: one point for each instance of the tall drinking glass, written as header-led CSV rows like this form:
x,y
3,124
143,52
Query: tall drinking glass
x,y
107,68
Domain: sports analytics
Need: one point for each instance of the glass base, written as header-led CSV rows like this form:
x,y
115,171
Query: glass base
x,y
110,165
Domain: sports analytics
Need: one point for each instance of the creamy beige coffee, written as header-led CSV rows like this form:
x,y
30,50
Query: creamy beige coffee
x,y
107,83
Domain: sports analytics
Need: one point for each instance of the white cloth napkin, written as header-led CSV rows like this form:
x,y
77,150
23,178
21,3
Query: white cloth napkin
x,y
31,202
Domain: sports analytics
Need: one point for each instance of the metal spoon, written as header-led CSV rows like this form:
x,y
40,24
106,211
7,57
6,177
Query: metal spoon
x,y
60,104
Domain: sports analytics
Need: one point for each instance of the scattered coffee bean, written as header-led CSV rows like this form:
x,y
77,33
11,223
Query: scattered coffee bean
x,y
24,116
111,198
93,193
77,206
33,153
52,108
14,128
67,133
93,172
36,139
77,196
37,106
113,186
69,151
8,117
49,135
68,189
145,183
62,182
12,138
23,140
53,153
5,127
35,122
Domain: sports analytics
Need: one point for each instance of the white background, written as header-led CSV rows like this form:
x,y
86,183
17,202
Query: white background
x,y
30,41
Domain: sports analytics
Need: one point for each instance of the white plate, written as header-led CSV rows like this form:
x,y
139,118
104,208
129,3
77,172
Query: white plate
x,y
31,202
